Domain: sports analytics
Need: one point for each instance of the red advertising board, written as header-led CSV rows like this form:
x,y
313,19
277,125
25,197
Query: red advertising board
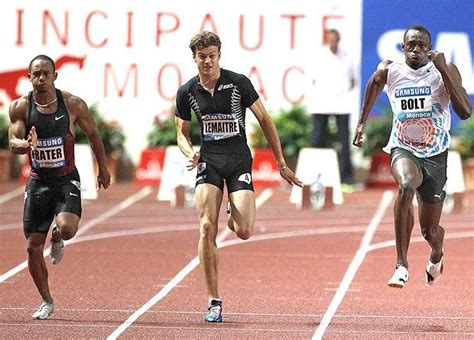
x,y
265,171
151,166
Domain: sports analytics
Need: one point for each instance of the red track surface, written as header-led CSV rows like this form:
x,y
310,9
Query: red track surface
x,y
279,284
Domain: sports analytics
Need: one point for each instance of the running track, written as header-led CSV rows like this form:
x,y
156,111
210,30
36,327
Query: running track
x,y
132,272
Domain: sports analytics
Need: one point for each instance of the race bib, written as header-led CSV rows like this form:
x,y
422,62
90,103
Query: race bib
x,y
219,126
413,102
49,153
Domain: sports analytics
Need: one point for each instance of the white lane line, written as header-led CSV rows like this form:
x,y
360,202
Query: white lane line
x,y
118,208
262,198
354,266
248,314
12,194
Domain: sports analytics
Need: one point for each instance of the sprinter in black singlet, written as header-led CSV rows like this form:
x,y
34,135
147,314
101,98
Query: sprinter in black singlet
x,y
220,98
42,126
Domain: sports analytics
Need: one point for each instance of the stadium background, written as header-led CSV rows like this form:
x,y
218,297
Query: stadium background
x,y
130,57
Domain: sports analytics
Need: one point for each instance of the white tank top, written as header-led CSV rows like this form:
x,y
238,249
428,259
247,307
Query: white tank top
x,y
420,106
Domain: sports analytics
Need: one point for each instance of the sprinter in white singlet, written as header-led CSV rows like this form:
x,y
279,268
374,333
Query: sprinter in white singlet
x,y
420,91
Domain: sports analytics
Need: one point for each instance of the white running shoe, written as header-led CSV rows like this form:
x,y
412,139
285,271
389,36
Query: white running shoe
x,y
399,278
56,252
433,272
44,311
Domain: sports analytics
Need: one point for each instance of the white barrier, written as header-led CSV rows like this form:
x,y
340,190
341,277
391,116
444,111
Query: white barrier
x,y
314,163
455,174
455,186
175,174
84,160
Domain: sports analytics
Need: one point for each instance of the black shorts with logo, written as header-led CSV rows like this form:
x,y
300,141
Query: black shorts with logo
x,y
234,169
433,170
45,198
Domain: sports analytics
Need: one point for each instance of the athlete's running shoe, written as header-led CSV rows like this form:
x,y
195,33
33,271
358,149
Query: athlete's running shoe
x,y
57,249
399,278
214,313
433,272
44,311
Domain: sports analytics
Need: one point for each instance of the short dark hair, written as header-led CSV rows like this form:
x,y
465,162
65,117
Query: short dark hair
x,y
334,31
420,28
43,57
204,39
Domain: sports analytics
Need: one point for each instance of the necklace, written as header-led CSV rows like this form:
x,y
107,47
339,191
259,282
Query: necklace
x,y
202,84
47,104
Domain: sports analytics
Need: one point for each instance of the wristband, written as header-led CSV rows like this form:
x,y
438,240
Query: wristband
x,y
282,167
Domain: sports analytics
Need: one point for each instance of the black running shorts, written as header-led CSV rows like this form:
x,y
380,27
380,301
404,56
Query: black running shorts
x,y
234,169
44,199
433,170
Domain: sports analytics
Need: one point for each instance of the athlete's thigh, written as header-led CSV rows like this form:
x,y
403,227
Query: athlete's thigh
x,y
68,196
209,170
208,199
238,172
243,208
406,168
431,189
38,210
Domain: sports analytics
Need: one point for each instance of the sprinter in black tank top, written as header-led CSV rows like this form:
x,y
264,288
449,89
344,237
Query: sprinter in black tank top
x,y
220,98
54,152
42,126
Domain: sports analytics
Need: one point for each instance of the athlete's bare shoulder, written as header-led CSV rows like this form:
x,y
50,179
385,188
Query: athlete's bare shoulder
x,y
73,102
384,64
19,108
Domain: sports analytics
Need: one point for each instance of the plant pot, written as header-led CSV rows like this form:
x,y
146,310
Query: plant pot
x,y
150,169
380,173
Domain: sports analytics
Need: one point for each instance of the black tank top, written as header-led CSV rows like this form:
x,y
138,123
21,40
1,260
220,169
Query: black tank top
x,y
54,154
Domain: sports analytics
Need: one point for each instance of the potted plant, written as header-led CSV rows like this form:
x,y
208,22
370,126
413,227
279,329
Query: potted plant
x,y
463,142
6,157
112,136
294,129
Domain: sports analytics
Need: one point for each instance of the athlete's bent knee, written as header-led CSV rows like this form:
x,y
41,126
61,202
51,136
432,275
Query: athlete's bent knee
x,y
243,233
67,231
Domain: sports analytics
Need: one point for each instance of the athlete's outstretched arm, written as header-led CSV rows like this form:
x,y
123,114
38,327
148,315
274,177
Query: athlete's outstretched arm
x,y
374,86
271,134
79,109
452,79
17,129
183,138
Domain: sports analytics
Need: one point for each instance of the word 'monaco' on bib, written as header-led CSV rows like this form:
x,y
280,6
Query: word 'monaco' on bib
x,y
49,153
218,126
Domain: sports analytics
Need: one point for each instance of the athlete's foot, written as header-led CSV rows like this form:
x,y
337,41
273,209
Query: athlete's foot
x,y
44,311
433,272
230,220
399,278
214,311
56,252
